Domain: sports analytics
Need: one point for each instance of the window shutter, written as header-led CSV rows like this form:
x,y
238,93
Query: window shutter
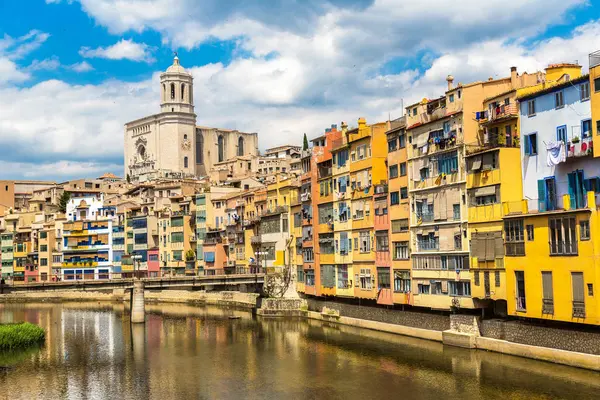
x,y
499,247
577,282
490,248
541,195
444,286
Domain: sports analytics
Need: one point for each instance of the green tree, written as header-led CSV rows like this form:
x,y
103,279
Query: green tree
x,y
305,145
63,201
190,255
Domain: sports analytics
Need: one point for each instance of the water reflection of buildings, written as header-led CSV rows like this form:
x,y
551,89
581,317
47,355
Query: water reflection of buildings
x,y
196,352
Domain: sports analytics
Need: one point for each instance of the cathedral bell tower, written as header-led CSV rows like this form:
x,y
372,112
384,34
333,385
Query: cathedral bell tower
x,y
177,89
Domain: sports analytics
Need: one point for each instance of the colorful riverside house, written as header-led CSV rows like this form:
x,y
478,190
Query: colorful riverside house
x,y
87,249
368,152
342,218
145,238
324,248
398,211
201,215
550,237
493,176
438,131
275,244
593,91
309,171
7,256
296,241
118,246
22,247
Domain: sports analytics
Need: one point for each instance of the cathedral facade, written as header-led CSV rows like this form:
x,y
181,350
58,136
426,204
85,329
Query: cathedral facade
x,y
170,145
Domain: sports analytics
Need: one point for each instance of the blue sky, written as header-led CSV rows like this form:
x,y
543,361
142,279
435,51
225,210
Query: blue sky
x,y
72,72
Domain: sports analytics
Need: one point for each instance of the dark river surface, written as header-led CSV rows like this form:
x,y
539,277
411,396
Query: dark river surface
x,y
184,352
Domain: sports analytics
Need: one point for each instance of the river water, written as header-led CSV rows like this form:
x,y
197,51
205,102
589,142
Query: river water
x,y
185,352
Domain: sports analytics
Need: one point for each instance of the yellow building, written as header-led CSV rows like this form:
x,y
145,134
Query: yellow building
x,y
594,94
342,218
368,152
399,212
552,263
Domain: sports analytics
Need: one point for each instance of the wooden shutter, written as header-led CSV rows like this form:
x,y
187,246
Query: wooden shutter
x,y
577,286
547,285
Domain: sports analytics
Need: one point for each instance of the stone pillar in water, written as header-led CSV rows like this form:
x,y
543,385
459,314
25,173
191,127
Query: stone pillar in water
x,y
137,303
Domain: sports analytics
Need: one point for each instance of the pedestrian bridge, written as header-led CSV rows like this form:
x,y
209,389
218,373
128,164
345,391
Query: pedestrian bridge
x,y
241,282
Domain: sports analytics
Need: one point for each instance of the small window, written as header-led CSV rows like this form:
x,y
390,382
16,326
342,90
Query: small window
x,y
415,109
531,144
459,93
590,287
531,108
497,278
584,91
529,232
402,141
586,128
185,162
506,101
598,127
584,230
393,171
457,241
561,134
476,278
451,98
559,100
403,169
404,193
597,85
394,198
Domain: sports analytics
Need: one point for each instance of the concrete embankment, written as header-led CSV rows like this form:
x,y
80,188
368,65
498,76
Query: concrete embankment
x,y
505,337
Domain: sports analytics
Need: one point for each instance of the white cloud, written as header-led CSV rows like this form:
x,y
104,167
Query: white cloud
x,y
17,48
49,64
284,80
10,72
81,67
125,49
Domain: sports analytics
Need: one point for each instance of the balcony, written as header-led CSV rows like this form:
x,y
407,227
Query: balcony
x,y
577,147
381,189
491,140
255,240
425,217
547,307
578,309
434,115
500,112
274,210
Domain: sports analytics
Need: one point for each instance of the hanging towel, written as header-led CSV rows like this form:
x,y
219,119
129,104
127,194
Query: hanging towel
x,y
555,153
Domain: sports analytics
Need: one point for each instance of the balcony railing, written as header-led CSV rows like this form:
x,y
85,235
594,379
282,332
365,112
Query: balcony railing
x,y
429,246
255,240
381,189
425,217
578,309
547,306
274,210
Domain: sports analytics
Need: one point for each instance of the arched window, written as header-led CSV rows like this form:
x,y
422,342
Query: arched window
x,y
241,146
221,148
184,137
185,162
199,148
172,91
164,92
182,91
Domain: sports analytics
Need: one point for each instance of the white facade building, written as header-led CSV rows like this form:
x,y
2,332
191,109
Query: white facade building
x,y
557,120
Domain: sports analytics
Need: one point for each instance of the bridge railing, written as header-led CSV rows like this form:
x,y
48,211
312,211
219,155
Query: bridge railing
x,y
65,279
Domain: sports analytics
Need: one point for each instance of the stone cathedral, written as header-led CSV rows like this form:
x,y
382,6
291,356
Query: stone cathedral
x,y
170,145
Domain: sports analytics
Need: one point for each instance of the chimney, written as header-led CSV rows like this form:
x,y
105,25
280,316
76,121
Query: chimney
x,y
344,126
513,77
334,127
362,123
450,80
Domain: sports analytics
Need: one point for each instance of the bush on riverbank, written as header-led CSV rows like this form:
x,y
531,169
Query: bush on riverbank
x,y
19,336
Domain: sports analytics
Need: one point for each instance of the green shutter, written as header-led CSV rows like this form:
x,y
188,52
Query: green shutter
x,y
541,195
